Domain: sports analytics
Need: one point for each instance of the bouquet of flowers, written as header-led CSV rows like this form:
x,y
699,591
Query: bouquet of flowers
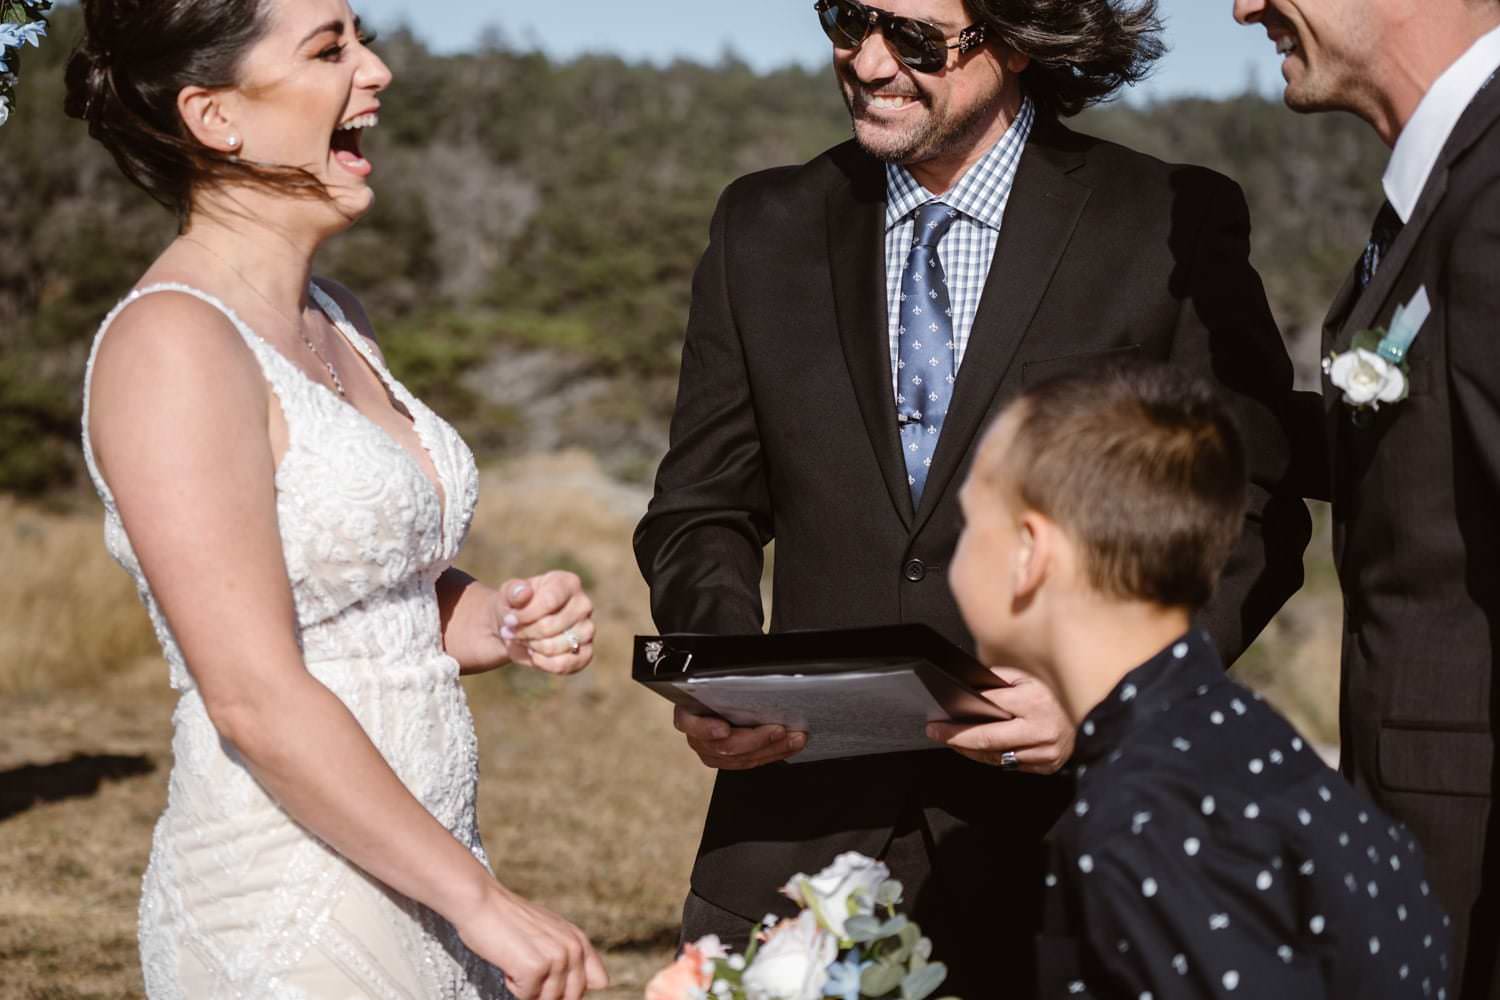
x,y
848,942
21,21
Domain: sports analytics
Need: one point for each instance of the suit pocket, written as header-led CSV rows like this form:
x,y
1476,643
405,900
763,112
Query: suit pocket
x,y
1436,761
1037,372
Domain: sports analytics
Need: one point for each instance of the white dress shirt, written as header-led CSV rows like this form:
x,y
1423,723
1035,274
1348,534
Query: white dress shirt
x,y
1422,140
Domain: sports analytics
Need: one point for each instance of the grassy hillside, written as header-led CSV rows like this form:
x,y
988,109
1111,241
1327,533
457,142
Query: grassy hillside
x,y
529,257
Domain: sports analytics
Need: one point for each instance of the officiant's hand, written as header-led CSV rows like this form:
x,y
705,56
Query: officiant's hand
x,y
735,748
1040,734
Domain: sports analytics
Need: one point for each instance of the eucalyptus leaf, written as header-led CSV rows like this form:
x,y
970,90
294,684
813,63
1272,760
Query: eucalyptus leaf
x,y
880,979
862,929
922,983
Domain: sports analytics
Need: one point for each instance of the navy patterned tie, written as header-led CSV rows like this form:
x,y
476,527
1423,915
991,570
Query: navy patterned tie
x,y
1387,227
925,368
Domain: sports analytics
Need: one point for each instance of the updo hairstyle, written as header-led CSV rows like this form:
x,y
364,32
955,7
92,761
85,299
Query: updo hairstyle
x,y
124,77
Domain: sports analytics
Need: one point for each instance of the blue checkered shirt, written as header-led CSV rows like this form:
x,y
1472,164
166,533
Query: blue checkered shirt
x,y
980,197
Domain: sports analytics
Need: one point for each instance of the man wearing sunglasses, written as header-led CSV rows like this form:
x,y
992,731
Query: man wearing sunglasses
x,y
855,323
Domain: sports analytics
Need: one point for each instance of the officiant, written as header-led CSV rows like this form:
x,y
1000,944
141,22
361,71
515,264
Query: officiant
x,y
855,323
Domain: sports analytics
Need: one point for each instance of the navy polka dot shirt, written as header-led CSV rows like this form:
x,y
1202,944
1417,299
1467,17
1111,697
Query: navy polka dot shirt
x,y
1211,853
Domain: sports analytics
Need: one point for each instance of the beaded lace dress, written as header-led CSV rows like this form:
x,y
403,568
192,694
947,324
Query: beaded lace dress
x,y
238,900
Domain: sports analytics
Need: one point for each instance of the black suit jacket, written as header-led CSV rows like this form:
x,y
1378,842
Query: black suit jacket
x,y
785,429
1416,494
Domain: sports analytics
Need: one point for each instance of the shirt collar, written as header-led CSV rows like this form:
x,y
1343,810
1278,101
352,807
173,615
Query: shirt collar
x,y
1185,669
1422,140
983,190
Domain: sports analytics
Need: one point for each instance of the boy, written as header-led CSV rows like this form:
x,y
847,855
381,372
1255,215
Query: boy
x,y
1208,850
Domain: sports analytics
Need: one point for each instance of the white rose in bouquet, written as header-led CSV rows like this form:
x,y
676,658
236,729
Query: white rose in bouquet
x,y
1366,378
844,889
793,962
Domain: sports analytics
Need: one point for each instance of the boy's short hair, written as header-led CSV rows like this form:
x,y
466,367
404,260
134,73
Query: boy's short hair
x,y
1142,466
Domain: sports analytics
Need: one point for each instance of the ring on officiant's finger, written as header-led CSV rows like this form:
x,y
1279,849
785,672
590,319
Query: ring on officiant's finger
x,y
573,644
1009,761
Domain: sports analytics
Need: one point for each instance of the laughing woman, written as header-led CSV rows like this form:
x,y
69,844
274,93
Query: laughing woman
x,y
291,514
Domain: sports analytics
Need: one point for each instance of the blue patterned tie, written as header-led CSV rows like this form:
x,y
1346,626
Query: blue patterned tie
x,y
925,365
1387,227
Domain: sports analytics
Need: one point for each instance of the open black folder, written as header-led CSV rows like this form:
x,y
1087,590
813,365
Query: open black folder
x,y
853,691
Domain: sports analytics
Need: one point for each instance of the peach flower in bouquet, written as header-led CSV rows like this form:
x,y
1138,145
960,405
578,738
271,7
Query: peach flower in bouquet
x,y
690,977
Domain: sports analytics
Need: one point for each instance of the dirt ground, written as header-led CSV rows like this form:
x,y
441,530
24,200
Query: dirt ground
x,y
589,802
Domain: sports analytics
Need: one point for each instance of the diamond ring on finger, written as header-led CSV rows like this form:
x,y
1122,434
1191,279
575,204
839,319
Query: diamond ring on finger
x,y
573,644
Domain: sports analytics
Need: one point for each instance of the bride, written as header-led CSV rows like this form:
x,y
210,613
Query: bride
x,y
291,514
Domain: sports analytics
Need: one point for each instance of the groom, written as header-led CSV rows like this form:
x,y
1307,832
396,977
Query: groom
x,y
1416,484
855,322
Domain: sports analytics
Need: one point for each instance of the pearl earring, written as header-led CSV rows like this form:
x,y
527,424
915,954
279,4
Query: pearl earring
x,y
233,141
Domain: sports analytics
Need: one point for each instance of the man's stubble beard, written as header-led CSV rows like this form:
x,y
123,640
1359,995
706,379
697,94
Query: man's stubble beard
x,y
931,138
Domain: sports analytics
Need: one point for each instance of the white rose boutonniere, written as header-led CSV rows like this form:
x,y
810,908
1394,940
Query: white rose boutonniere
x,y
1374,370
1366,378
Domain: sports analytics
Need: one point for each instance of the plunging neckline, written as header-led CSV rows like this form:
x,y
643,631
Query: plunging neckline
x,y
395,392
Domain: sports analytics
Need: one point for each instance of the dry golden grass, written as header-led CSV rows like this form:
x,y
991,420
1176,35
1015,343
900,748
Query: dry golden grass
x,y
589,802
68,615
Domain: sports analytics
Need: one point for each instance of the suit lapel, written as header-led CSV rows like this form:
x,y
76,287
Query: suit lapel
x,y
1371,301
856,251
1353,310
1338,313
1044,208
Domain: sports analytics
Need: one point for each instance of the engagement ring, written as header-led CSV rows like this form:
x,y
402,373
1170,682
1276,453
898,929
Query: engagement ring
x,y
573,644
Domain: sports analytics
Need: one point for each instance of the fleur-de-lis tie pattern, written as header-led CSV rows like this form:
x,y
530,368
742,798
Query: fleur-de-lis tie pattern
x,y
925,370
1387,227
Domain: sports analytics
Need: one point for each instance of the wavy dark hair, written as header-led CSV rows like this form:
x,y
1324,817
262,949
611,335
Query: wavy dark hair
x,y
1082,51
135,57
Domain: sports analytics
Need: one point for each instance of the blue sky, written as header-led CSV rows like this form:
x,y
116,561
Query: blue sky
x,y
1210,55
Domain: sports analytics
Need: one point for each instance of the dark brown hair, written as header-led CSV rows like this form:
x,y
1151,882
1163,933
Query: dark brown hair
x,y
135,57
1082,51
1143,468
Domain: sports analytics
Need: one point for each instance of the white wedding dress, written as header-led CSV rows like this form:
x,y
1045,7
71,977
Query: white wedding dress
x,y
238,899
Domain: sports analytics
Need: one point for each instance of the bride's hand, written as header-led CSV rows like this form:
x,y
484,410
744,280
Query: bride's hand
x,y
542,955
547,622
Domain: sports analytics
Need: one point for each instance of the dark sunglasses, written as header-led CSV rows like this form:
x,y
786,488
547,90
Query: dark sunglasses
x,y
919,45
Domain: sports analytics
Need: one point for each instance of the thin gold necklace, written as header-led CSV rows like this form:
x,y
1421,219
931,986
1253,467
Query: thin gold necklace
x,y
338,383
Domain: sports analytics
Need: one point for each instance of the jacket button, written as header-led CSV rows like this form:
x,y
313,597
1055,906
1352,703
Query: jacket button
x,y
916,570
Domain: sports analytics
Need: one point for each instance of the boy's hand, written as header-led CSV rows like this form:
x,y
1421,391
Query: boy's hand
x,y
1040,734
